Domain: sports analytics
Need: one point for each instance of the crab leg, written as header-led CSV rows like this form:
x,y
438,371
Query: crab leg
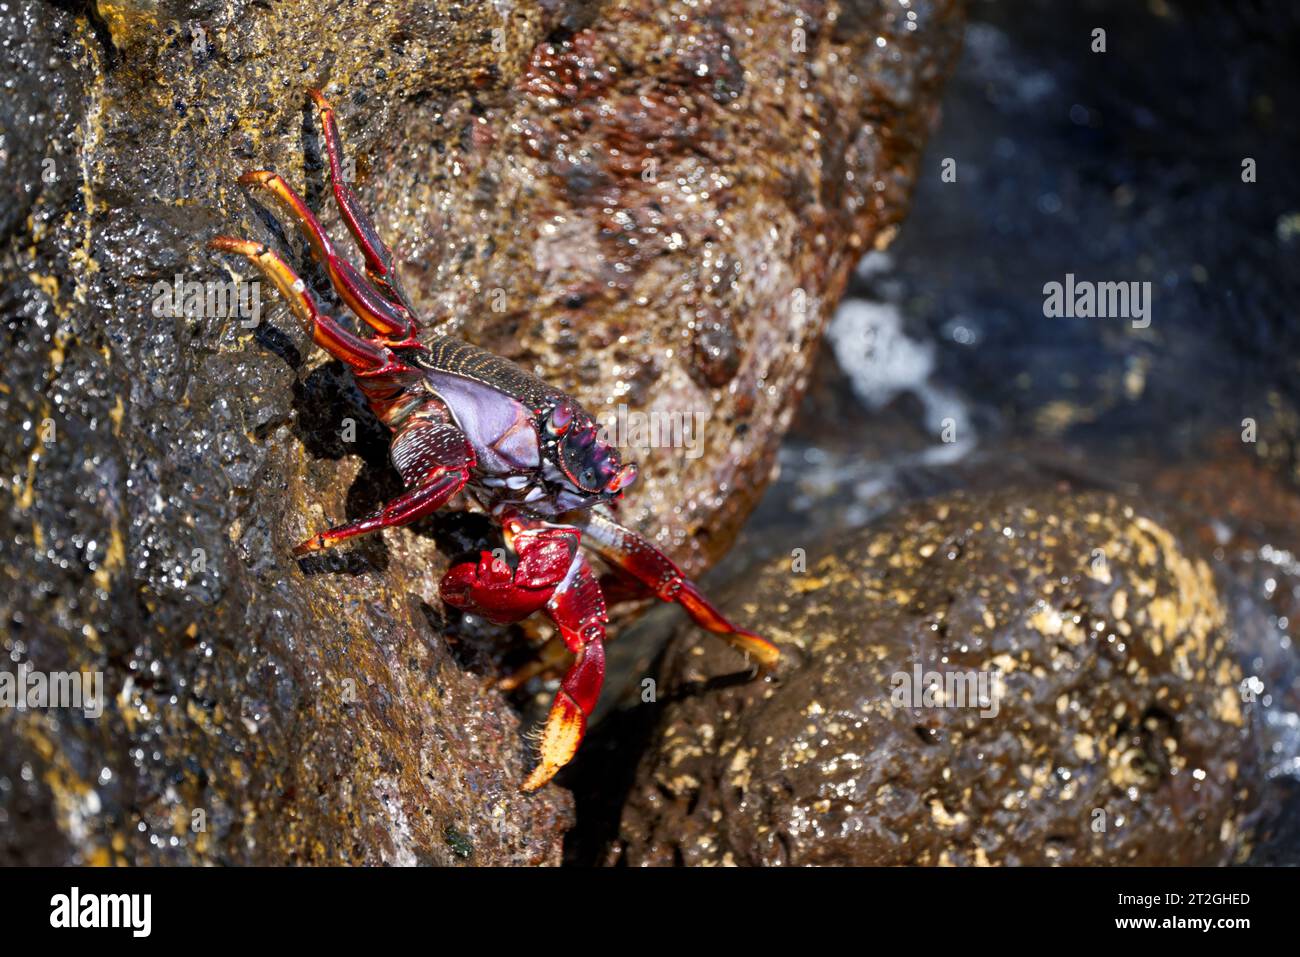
x,y
424,499
566,724
379,259
391,320
578,610
434,458
633,556
361,354
552,573
505,594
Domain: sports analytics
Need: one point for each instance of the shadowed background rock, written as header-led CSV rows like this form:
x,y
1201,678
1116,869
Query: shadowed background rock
x,y
647,203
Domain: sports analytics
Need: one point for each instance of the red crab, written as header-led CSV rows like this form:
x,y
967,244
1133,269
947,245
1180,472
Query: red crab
x,y
466,420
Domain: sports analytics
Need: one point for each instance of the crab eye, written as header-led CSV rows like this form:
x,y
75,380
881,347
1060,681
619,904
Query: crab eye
x,y
622,479
560,420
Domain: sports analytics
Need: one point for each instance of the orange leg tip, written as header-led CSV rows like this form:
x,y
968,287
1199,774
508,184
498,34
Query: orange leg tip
x,y
768,654
565,726
230,244
318,98
540,777
256,177
314,544
515,681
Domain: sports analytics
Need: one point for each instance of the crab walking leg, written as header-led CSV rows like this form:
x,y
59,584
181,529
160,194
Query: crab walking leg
x,y
435,458
361,354
633,556
406,508
379,258
552,658
391,320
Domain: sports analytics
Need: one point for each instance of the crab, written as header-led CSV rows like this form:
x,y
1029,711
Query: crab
x,y
467,422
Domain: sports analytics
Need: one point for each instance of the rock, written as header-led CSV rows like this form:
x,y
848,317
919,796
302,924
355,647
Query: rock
x,y
663,215
159,469
1119,734
1245,511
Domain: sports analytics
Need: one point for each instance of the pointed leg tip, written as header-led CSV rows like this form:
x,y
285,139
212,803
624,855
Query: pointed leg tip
x,y
538,779
318,98
563,732
767,654
233,244
255,177
312,545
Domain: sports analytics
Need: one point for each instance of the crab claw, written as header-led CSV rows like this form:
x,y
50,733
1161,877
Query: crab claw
x,y
502,594
551,574
488,588
567,721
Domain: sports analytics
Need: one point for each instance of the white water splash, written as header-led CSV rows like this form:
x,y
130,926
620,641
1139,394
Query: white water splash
x,y
882,362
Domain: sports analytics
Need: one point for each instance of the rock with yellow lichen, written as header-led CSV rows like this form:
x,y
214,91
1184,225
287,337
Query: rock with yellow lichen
x,y
652,204
996,679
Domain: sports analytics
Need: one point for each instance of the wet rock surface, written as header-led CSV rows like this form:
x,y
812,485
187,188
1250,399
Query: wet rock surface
x,y
1120,734
687,195
942,374
648,203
